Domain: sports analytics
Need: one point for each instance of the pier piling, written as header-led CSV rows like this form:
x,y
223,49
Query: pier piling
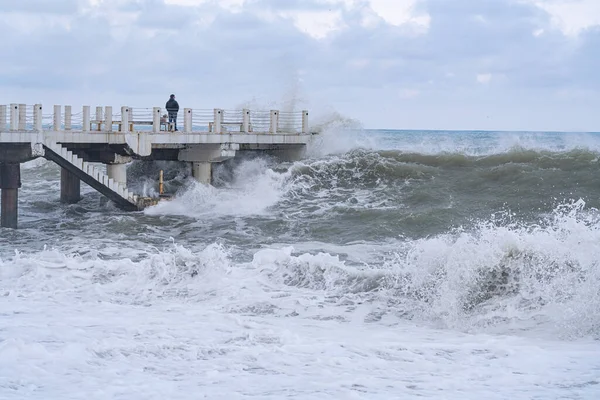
x,y
10,182
202,172
118,172
70,187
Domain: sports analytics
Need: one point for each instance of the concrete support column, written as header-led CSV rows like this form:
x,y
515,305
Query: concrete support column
x,y
70,187
125,119
14,117
56,125
156,119
218,116
10,182
274,121
245,120
304,121
187,120
118,172
202,172
108,119
2,117
98,113
37,117
68,118
86,119
22,116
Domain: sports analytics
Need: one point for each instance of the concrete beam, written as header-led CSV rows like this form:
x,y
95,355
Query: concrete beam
x,y
16,152
208,153
289,153
105,156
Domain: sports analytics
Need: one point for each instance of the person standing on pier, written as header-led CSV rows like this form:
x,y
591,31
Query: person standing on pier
x,y
172,108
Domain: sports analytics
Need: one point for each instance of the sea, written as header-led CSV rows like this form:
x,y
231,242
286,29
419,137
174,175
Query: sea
x,y
386,264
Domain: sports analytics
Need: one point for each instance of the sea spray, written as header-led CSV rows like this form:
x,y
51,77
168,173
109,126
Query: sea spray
x,y
492,278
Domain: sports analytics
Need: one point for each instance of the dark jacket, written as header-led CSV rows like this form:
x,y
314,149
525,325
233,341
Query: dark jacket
x,y
172,105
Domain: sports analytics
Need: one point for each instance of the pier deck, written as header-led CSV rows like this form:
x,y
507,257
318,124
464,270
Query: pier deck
x,y
80,144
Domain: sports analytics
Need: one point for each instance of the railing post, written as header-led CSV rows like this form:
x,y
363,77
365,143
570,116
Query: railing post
x,y
187,120
22,116
86,119
98,117
108,119
245,120
274,121
156,119
305,121
37,117
125,119
130,119
14,117
218,117
68,118
56,125
2,117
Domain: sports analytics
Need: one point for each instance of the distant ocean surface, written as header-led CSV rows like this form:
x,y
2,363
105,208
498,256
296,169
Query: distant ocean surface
x,y
385,265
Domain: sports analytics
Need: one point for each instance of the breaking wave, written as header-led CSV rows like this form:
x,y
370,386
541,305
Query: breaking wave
x,y
501,277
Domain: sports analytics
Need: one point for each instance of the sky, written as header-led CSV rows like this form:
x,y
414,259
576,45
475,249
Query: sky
x,y
528,65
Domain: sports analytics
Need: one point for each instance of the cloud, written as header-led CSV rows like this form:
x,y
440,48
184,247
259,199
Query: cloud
x,y
316,24
408,93
401,63
400,12
484,78
571,17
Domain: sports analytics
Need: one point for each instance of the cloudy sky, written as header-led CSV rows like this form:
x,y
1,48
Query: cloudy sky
x,y
404,64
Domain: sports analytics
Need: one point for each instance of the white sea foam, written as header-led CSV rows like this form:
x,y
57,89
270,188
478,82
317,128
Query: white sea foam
x,y
337,134
500,309
181,321
252,191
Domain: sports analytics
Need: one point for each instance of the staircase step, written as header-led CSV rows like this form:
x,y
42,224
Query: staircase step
x,y
120,189
94,172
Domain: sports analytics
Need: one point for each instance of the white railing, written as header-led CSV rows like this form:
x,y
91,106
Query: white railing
x,y
22,117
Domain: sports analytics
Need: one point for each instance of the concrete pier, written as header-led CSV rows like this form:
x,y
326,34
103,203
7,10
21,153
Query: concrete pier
x,y
70,187
10,182
202,172
117,172
81,142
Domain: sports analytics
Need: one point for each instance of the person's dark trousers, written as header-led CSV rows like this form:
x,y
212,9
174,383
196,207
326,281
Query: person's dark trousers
x,y
173,118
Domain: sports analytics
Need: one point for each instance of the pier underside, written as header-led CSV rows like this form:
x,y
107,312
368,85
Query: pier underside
x,y
77,159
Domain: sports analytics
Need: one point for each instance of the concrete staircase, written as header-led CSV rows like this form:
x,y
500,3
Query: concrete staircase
x,y
93,176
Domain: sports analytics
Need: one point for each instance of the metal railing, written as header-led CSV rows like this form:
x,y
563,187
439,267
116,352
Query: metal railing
x,y
22,117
